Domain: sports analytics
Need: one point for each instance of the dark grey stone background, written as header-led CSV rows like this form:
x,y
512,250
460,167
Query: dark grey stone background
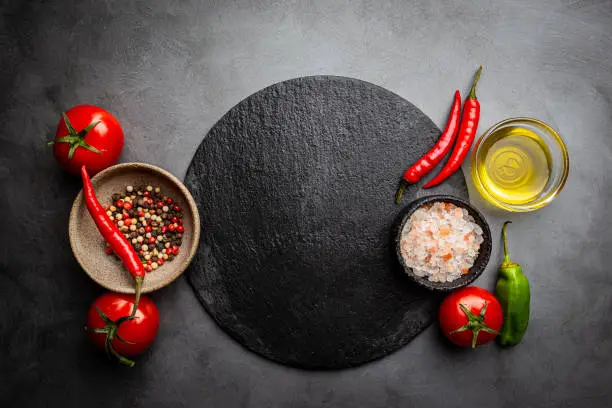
x,y
170,69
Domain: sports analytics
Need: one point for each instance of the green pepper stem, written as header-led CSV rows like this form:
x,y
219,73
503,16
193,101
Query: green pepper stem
x,y
505,240
472,94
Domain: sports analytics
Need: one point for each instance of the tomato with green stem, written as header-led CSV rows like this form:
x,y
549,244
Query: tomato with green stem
x,y
471,316
87,135
112,326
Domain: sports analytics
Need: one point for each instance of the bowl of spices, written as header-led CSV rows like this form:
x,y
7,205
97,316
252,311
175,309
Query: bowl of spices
x,y
442,243
156,214
520,164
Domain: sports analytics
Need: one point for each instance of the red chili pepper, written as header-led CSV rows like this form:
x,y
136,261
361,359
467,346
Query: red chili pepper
x,y
435,155
467,133
113,236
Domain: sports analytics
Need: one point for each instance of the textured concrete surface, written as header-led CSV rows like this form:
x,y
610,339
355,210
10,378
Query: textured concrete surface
x,y
170,69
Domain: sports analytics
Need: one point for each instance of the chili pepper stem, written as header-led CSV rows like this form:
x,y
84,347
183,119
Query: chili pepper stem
x,y
138,280
400,191
472,94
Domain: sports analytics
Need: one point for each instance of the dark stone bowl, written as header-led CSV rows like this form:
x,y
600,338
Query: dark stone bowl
x,y
483,256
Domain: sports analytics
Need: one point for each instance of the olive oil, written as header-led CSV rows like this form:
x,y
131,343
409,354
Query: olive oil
x,y
514,165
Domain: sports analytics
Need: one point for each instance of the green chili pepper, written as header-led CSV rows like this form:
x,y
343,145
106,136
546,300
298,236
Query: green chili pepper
x,y
512,291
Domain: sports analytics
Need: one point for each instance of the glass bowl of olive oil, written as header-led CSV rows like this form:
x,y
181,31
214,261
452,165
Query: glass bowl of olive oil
x,y
520,164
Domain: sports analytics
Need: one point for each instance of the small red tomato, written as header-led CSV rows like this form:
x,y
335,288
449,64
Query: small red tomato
x,y
138,334
148,268
87,135
164,229
127,206
127,222
180,221
141,214
149,262
180,229
174,220
168,251
175,250
159,204
141,252
171,227
152,240
146,193
160,261
471,316
176,208
119,203
148,228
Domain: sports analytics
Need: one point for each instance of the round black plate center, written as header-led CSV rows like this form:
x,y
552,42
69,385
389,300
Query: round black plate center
x,y
295,187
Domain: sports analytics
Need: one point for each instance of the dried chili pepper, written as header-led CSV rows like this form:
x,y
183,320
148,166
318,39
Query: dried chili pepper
x,y
467,132
113,236
435,155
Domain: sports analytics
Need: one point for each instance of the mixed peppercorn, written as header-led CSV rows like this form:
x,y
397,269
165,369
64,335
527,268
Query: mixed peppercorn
x,y
151,222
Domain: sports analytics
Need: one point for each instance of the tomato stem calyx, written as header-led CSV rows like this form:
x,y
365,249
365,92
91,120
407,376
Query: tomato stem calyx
x,y
76,139
475,323
110,330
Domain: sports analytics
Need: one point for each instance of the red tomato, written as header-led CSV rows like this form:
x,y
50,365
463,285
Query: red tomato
x,y
141,330
93,136
478,323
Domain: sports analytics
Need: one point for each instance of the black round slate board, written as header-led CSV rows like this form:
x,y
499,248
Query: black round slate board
x,y
295,188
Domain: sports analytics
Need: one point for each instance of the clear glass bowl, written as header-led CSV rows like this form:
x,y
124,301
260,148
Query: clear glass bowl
x,y
558,163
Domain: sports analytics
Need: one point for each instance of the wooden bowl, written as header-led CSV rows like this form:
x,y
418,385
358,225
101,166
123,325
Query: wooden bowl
x,y
481,260
89,246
